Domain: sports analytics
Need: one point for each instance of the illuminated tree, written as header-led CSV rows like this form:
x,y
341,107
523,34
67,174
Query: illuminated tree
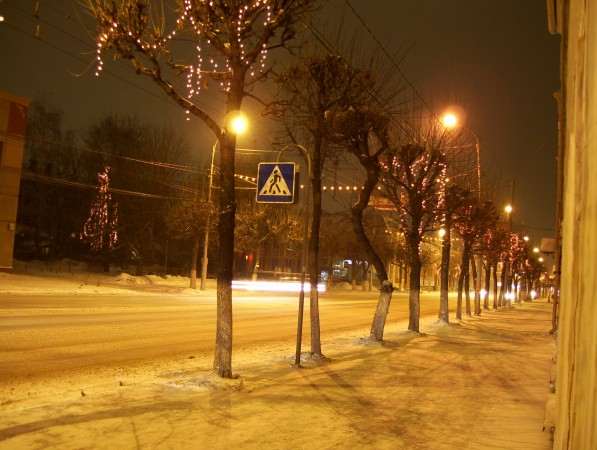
x,y
145,162
519,265
475,217
101,226
184,45
411,177
454,198
494,244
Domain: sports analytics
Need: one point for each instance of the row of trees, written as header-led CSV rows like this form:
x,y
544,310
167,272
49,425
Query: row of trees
x,y
323,102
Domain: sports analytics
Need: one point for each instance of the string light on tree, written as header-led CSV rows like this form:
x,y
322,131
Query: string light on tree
x,y
128,41
101,226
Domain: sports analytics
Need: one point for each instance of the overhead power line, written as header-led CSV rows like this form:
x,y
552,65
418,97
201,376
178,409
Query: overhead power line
x,y
394,63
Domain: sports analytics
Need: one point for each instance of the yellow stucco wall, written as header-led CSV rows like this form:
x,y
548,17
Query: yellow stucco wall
x,y
13,118
576,383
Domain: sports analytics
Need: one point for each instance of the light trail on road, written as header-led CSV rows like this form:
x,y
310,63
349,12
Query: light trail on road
x,y
52,334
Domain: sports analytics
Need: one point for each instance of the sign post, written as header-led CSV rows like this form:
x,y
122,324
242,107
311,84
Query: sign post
x,y
277,183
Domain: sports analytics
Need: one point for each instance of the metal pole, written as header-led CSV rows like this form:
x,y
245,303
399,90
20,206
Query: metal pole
x,y
507,280
207,221
299,331
166,261
479,257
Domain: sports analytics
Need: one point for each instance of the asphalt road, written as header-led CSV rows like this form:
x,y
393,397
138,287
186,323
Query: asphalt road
x,y
44,335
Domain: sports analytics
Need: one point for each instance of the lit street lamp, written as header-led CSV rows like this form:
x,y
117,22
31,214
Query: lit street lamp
x,y
450,120
508,210
237,125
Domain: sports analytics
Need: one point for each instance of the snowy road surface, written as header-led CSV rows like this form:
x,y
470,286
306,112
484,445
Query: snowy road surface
x,y
86,363
49,334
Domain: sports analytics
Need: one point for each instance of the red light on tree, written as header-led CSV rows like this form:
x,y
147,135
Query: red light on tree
x,y
101,226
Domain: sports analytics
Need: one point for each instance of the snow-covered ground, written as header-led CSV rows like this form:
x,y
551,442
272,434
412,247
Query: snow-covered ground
x,y
482,383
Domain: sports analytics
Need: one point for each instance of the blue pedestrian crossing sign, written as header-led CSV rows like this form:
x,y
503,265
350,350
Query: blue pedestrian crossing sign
x,y
275,182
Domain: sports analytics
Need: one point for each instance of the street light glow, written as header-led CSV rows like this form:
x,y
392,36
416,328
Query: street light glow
x,y
450,120
238,124
508,209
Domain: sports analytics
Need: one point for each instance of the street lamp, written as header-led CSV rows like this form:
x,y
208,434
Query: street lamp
x,y
236,124
508,210
450,120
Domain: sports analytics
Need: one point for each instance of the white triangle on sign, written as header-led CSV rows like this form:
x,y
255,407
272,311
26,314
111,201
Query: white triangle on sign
x,y
275,184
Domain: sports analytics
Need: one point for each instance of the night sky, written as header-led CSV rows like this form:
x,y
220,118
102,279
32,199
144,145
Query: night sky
x,y
494,59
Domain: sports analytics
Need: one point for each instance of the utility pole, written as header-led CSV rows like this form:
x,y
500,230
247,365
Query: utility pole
x,y
207,224
507,262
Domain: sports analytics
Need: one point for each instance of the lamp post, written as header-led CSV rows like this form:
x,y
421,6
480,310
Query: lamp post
x,y
507,283
237,125
207,221
450,120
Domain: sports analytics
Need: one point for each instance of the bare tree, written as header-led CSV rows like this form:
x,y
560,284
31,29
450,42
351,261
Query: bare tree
x,y
260,223
227,38
54,209
365,134
311,94
189,215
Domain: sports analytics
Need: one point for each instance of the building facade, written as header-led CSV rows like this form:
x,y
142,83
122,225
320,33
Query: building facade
x,y
576,381
13,124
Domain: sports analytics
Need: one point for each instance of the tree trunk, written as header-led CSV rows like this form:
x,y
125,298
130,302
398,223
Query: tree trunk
x,y
495,287
463,283
105,252
443,315
502,296
257,266
227,209
477,301
356,217
487,285
460,288
414,294
314,252
381,312
467,289
194,257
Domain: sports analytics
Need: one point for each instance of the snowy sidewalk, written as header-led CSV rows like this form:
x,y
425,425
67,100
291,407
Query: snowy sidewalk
x,y
481,384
